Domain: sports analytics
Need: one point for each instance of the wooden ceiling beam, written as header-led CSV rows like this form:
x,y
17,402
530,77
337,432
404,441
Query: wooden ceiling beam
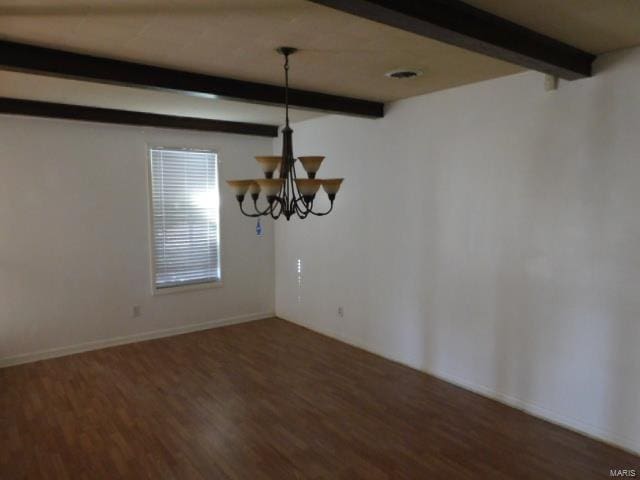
x,y
58,63
457,23
34,108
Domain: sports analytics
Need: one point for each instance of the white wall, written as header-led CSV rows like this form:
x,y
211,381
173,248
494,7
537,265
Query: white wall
x,y
489,234
74,237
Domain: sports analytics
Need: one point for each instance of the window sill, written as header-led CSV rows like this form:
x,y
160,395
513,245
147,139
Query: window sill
x,y
186,288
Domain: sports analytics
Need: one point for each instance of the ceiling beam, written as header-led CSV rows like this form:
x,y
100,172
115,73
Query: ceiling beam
x,y
58,63
456,23
34,108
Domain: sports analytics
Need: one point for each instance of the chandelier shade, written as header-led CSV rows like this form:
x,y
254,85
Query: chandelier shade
x,y
269,164
240,187
270,186
254,188
308,187
311,165
286,195
331,185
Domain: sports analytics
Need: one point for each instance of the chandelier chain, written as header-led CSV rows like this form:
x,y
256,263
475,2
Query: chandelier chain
x,y
286,88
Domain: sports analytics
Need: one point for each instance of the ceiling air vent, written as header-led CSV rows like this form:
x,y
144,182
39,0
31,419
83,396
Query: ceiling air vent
x,y
403,73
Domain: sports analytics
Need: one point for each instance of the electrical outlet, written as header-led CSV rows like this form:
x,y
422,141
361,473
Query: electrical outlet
x,y
136,311
340,312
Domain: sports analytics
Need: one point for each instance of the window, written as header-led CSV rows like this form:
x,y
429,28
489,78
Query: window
x,y
185,217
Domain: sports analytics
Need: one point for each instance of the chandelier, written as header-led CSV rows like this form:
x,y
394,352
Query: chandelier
x,y
287,195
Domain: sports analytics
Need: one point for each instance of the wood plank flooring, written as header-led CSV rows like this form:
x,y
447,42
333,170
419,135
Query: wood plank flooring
x,y
269,400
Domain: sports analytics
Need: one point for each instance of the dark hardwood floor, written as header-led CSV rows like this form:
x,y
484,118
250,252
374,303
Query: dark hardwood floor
x,y
269,400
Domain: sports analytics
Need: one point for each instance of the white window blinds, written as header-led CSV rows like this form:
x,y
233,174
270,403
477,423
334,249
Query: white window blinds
x,y
185,217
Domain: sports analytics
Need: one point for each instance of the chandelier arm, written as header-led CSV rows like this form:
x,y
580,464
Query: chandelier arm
x,y
301,212
259,213
301,201
297,198
263,212
294,204
277,212
292,187
284,203
322,214
275,215
298,211
251,215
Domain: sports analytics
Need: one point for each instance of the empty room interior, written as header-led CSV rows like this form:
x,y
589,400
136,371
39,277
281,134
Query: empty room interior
x,y
319,239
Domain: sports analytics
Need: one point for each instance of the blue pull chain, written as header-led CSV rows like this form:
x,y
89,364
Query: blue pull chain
x,y
259,228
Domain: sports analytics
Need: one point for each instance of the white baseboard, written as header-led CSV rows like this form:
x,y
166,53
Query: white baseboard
x,y
570,423
136,337
576,425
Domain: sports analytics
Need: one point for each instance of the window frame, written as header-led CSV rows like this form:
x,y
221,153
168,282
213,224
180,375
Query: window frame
x,y
152,257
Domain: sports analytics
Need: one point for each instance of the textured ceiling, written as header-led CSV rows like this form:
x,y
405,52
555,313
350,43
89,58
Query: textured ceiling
x,y
597,26
340,53
59,90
